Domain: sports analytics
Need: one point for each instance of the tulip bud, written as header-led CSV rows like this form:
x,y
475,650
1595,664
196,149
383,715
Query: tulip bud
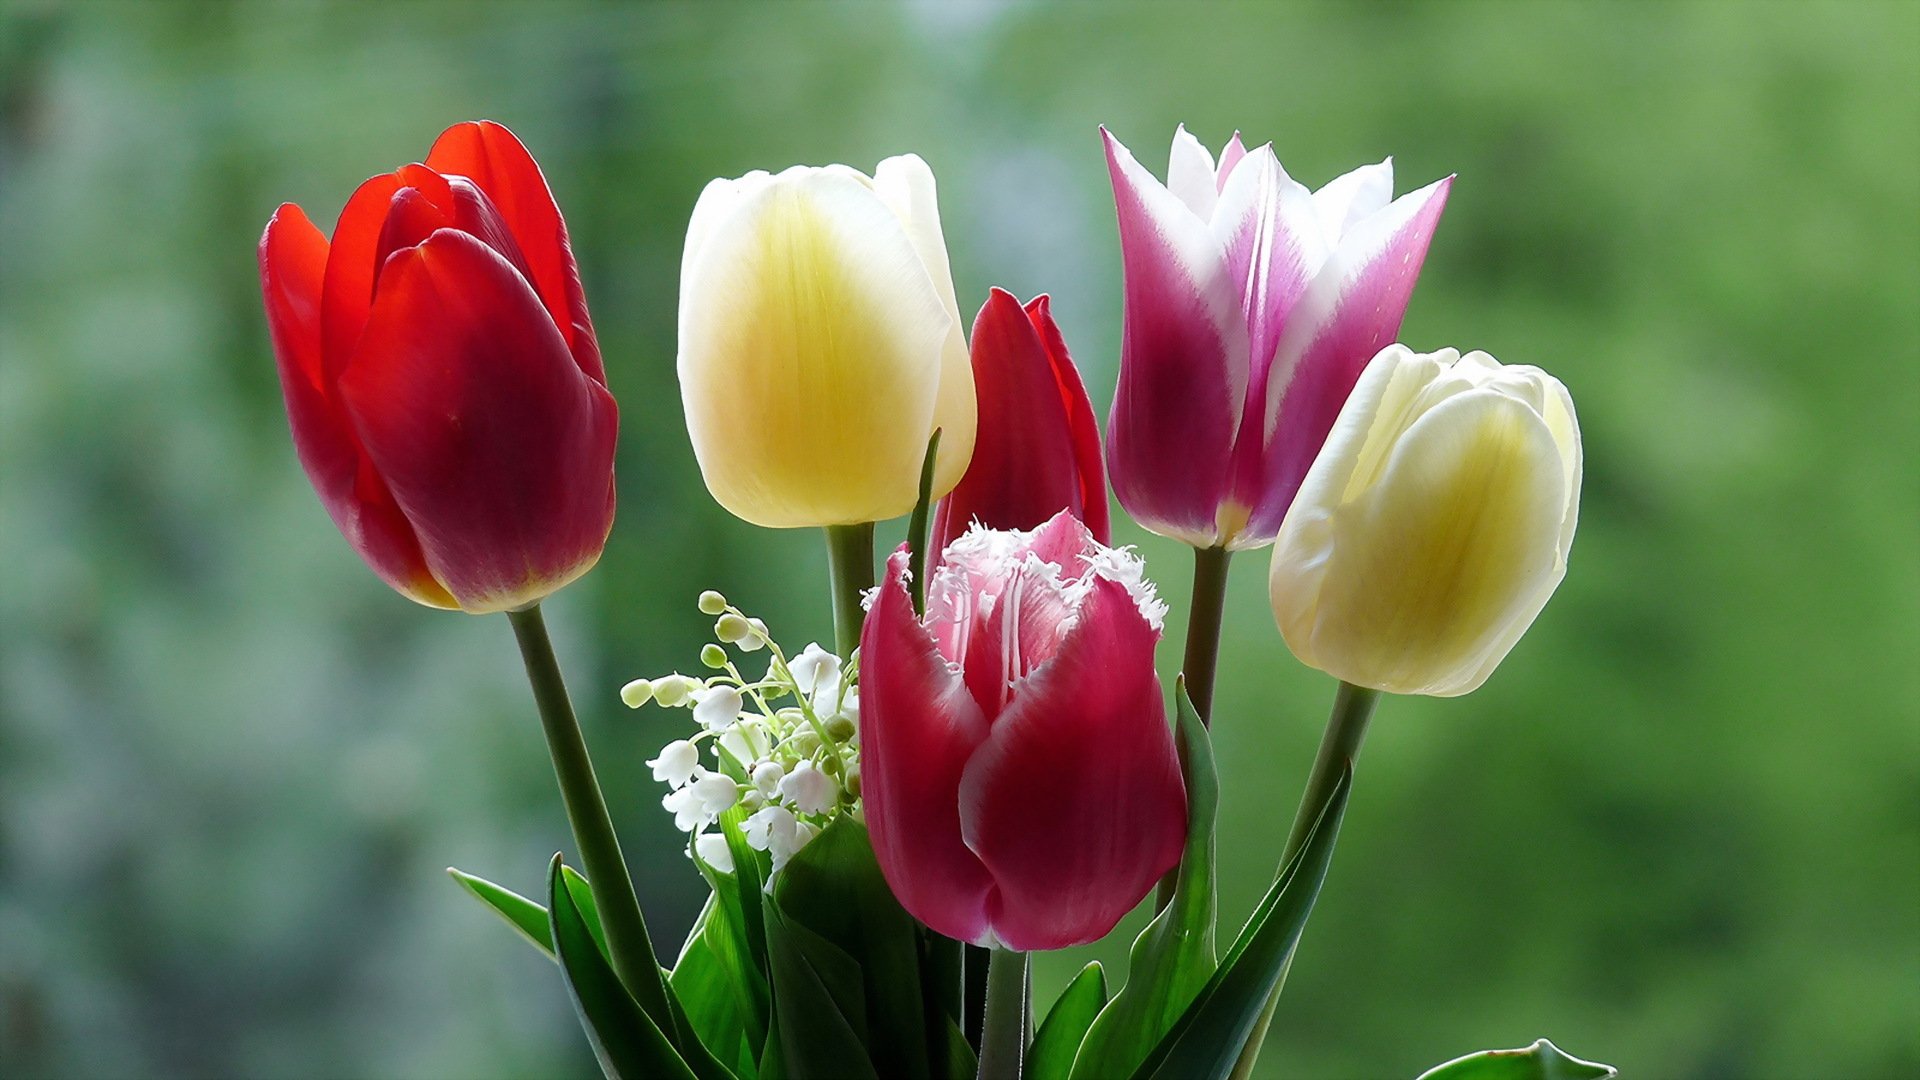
x,y
1037,450
1434,525
813,405
1251,306
441,377
1018,777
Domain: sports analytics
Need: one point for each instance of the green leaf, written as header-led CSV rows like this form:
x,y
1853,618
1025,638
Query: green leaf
x,y
736,938
707,992
1541,1061
628,1044
954,1058
525,916
917,528
1208,1038
834,888
819,1005
1061,1033
582,895
1173,957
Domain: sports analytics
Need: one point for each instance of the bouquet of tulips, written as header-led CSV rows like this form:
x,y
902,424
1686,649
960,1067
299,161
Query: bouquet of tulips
x,y
984,763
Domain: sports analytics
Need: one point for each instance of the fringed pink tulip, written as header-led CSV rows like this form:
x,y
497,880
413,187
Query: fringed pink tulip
x,y
441,376
1252,305
1019,778
1036,450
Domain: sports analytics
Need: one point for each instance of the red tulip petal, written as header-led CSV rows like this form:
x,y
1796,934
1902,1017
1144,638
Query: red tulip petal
x,y
918,726
293,260
352,264
1075,802
496,447
1024,467
1082,429
495,160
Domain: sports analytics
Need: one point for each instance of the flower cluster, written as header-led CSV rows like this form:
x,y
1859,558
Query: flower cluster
x,y
785,747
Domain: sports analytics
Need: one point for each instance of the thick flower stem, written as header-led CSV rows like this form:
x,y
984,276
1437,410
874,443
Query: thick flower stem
x,y
1339,747
1203,627
1003,1042
1203,658
606,869
850,566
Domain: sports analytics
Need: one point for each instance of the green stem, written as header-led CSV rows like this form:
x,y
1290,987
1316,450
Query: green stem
x,y
1204,613
850,566
1339,747
613,896
1003,1045
1203,627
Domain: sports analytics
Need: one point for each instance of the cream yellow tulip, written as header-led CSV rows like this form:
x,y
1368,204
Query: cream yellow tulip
x,y
1434,524
821,345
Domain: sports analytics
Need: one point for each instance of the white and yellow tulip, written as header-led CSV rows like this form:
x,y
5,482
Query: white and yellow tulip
x,y
821,344
1434,524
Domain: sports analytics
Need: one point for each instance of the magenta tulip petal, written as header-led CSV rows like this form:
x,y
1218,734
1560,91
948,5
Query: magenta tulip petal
x,y
1075,802
1082,430
1183,368
1351,312
918,727
471,407
293,260
495,160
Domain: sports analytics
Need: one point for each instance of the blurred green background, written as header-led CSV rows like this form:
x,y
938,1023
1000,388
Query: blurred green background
x,y
1678,831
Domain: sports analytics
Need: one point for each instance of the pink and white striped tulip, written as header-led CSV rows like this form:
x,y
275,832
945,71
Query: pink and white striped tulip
x,y
1252,305
1019,779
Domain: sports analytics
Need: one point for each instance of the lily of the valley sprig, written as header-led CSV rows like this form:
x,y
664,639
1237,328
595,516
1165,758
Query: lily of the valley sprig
x,y
986,761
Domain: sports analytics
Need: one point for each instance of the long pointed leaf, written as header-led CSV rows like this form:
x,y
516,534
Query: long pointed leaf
x,y
1061,1033
1207,1040
526,917
1540,1061
626,1041
1173,957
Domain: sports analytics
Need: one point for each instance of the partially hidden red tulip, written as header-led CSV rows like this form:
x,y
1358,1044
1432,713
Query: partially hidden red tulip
x,y
441,377
1036,450
1019,780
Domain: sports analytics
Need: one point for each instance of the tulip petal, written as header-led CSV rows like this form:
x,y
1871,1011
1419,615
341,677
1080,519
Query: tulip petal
x,y
1231,155
489,155
918,727
808,319
1350,312
907,186
1183,365
1190,175
494,443
1442,564
1074,803
1082,429
293,261
1028,454
1349,199
352,265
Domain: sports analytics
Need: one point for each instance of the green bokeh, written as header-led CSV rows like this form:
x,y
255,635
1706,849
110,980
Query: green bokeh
x,y
1678,831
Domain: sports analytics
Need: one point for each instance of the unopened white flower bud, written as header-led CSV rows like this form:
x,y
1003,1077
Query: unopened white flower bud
x,y
767,776
715,707
810,789
713,851
840,728
637,693
732,628
673,691
804,744
676,763
712,603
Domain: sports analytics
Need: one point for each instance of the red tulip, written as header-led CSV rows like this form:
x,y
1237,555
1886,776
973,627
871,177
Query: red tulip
x,y
1019,780
1036,450
441,378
